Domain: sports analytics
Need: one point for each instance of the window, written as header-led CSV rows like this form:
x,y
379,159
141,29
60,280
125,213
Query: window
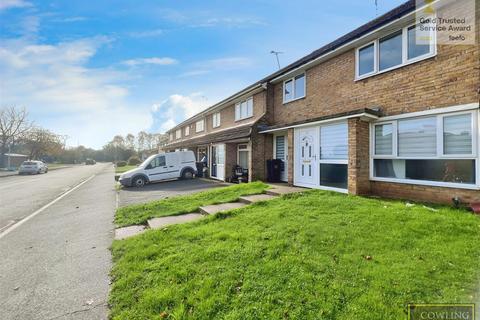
x,y
390,51
216,119
243,155
178,134
334,156
294,88
157,162
243,109
200,126
366,59
405,46
171,136
187,130
434,150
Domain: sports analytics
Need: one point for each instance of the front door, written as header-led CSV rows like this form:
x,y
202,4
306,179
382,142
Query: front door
x,y
281,153
306,156
218,162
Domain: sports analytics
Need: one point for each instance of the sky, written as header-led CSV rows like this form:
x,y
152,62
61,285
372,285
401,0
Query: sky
x,y
93,69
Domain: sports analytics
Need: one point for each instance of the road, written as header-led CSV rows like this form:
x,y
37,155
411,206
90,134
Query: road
x,y
56,231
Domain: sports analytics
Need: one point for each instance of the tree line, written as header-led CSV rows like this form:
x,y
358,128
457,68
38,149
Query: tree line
x,y
20,135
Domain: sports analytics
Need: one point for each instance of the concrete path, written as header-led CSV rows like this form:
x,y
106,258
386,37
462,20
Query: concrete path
x,y
56,264
275,191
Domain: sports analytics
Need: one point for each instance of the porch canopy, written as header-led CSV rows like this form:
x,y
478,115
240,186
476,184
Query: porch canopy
x,y
223,136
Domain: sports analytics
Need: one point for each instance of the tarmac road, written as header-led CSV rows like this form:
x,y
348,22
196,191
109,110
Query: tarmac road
x,y
55,231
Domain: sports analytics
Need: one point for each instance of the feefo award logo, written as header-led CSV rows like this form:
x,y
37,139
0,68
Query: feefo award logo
x,y
441,311
449,22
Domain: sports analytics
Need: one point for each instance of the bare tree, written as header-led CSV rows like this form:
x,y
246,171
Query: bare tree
x,y
13,126
130,141
40,142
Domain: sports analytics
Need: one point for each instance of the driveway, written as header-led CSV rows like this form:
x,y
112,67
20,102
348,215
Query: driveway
x,y
166,189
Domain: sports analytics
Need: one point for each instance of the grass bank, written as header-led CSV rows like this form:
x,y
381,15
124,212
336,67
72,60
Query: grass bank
x,y
318,256
139,214
124,169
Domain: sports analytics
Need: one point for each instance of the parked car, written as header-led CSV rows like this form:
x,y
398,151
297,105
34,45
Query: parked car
x,y
164,166
32,167
89,162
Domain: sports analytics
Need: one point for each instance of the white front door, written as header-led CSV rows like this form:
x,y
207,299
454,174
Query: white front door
x,y
280,152
218,162
306,156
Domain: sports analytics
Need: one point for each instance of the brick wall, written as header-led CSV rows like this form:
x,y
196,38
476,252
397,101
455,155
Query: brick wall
x,y
261,151
423,193
450,78
358,157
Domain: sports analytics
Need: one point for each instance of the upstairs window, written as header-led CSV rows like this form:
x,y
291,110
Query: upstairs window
x,y
402,47
294,88
243,109
178,134
216,120
171,137
200,126
187,130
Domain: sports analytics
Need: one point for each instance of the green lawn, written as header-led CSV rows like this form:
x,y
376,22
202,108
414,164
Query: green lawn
x,y
124,169
318,256
139,214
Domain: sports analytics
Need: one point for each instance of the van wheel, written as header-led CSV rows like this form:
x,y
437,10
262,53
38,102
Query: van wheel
x,y
187,175
139,182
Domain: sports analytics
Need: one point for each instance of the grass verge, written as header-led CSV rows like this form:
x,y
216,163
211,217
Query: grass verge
x,y
140,213
318,256
124,169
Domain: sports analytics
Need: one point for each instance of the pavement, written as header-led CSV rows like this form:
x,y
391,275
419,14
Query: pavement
x,y
55,257
163,190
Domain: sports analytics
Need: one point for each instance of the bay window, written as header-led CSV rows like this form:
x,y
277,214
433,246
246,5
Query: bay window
x,y
437,149
402,47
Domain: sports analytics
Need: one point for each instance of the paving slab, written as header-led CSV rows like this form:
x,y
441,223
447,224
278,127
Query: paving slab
x,y
256,198
215,208
278,190
158,223
127,232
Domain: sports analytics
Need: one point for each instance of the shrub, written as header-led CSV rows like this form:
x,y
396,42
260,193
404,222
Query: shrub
x,y
121,163
134,161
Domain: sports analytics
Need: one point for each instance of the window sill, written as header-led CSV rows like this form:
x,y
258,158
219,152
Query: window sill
x,y
426,57
428,183
293,100
241,119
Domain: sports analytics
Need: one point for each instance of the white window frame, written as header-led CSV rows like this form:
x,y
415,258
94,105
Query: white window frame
x,y
405,60
293,88
178,134
247,149
200,123
238,110
171,136
187,131
216,120
475,155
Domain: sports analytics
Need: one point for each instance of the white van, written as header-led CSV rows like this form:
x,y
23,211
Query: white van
x,y
164,166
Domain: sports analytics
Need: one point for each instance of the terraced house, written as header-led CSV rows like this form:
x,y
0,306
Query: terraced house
x,y
373,112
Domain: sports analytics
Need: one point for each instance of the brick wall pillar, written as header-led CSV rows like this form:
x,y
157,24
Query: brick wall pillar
x,y
261,151
358,157
290,154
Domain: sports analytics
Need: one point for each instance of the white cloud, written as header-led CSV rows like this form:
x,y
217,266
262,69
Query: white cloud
x,y
228,63
230,22
8,4
193,73
155,60
146,33
64,95
177,108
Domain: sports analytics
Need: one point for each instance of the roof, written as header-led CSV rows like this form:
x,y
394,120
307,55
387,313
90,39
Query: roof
x,y
219,136
353,113
370,26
